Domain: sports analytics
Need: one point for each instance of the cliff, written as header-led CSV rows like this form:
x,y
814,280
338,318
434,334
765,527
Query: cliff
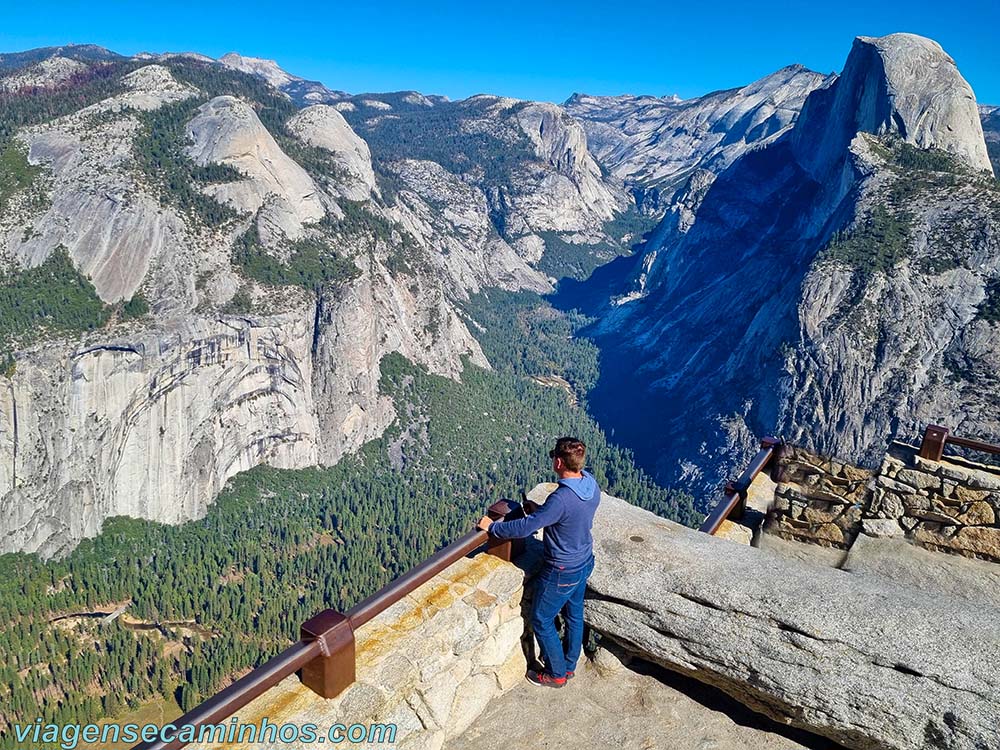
x,y
856,657
832,285
276,269
900,84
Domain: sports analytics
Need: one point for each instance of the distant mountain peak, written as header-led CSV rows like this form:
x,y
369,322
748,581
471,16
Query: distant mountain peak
x,y
269,70
302,91
47,72
900,84
80,52
168,55
654,143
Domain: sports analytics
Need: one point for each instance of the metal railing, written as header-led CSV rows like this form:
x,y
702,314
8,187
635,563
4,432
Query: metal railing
x,y
324,655
734,500
937,437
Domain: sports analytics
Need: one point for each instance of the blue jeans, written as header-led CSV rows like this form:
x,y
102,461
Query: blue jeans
x,y
560,591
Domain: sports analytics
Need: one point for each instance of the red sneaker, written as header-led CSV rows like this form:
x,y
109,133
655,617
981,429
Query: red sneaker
x,y
569,674
543,679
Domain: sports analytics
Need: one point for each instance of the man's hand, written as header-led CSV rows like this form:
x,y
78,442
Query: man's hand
x,y
484,523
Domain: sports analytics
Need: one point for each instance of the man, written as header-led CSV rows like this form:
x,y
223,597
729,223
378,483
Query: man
x,y
567,517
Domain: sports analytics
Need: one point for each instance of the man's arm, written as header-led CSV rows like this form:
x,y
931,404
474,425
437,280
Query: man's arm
x,y
545,515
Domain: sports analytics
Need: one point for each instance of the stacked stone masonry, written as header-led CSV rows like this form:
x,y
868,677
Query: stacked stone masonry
x,y
818,499
952,505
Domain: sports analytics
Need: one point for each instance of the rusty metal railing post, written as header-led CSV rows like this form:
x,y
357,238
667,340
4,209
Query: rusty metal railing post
x,y
333,671
771,442
936,438
505,549
735,487
932,446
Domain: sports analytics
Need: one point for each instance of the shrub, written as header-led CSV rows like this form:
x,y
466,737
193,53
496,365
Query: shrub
x,y
241,303
136,307
909,156
16,173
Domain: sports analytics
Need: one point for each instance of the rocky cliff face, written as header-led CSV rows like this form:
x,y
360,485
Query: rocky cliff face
x,y
833,285
654,144
113,229
564,186
903,85
150,424
530,162
247,355
324,127
277,190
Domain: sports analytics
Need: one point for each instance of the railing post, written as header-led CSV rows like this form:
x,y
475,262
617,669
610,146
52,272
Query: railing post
x,y
329,674
505,549
932,447
733,487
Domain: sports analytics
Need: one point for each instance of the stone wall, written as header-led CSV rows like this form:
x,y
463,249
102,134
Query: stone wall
x,y
950,505
429,664
818,499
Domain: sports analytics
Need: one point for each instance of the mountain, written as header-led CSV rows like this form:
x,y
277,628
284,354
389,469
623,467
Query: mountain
x,y
301,91
545,194
201,275
836,285
205,262
653,145
83,53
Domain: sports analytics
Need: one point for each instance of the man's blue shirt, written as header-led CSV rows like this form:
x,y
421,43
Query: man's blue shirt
x,y
567,517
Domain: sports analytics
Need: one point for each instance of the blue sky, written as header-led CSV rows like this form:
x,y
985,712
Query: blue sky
x,y
531,50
